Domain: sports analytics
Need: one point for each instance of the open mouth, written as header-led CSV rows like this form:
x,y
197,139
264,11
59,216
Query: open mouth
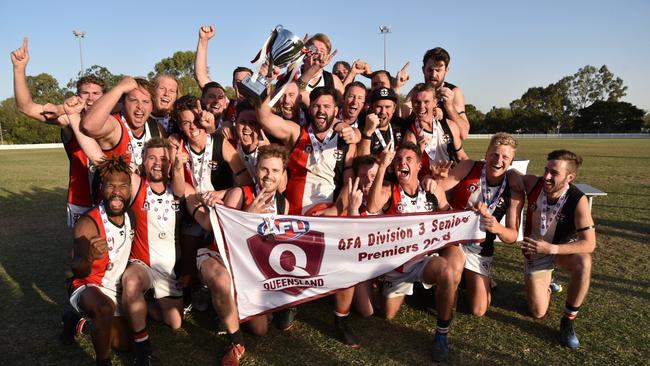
x,y
403,173
116,204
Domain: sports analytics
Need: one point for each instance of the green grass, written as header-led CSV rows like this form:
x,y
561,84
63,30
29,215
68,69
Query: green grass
x,y
612,325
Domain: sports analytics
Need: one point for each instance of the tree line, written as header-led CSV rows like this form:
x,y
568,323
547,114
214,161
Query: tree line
x,y
587,101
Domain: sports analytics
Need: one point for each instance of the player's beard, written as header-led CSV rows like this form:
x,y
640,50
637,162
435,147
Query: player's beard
x,y
328,123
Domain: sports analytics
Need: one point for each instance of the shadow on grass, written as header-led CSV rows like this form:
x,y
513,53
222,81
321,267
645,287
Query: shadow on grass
x,y
34,256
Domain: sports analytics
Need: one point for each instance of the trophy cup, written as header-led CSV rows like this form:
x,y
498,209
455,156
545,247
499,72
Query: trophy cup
x,y
281,49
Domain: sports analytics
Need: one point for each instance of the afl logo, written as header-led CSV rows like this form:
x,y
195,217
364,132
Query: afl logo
x,y
284,229
473,187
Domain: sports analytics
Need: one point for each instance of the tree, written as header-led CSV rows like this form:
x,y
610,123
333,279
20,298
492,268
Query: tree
x,y
45,89
20,129
181,66
590,85
607,116
475,117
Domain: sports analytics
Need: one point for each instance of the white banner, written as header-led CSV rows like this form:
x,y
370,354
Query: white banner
x,y
303,258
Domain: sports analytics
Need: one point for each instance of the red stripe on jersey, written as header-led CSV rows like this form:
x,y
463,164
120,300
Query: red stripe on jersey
x,y
463,191
248,193
395,200
140,247
79,184
98,268
122,146
297,167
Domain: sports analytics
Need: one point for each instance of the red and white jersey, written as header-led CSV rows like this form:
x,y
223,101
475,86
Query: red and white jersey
x,y
107,271
402,203
156,235
436,149
315,170
81,174
130,144
198,170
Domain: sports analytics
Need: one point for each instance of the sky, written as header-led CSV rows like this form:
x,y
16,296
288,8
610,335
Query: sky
x,y
498,49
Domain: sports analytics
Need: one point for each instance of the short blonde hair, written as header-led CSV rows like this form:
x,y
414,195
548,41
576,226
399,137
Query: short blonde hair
x,y
503,138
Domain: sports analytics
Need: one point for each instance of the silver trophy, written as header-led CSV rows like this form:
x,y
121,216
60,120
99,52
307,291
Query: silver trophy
x,y
282,49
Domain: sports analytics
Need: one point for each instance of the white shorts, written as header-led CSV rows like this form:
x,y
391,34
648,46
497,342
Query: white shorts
x,y
398,283
74,213
205,253
75,297
474,261
163,285
540,265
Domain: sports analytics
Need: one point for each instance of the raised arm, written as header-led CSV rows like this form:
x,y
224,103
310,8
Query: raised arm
x,y
276,126
41,112
379,194
98,122
73,107
230,155
206,32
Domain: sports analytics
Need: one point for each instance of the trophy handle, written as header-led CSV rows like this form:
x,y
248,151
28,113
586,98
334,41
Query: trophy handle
x,y
294,69
261,57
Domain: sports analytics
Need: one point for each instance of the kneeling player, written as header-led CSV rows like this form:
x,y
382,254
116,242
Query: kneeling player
x,y
444,269
156,247
264,197
102,243
483,185
559,232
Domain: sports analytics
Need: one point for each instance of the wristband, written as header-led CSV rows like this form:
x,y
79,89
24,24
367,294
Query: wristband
x,y
196,209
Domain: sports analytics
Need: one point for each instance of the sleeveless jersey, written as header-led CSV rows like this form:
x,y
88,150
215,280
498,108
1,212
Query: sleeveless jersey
x,y
326,80
402,203
315,172
207,170
157,236
230,111
562,229
107,271
441,146
81,174
468,193
441,102
249,159
132,149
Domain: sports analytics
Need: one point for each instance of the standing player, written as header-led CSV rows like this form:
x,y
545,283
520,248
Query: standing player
x,y
102,243
559,232
444,269
154,261
483,185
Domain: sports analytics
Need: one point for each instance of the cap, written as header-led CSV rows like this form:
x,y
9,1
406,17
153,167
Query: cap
x,y
383,93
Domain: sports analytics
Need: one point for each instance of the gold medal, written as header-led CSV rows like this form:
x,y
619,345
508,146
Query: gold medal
x,y
162,235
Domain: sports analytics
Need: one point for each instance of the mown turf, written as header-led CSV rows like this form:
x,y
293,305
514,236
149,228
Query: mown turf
x,y
612,325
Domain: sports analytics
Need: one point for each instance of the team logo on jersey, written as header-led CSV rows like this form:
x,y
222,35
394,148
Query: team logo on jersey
x,y
176,205
309,149
292,264
501,202
446,138
428,206
560,217
338,154
473,187
213,165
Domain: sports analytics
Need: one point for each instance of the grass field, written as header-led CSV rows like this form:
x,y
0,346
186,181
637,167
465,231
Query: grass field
x,y
613,323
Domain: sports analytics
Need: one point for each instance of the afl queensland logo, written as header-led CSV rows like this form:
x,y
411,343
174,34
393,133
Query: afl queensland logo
x,y
291,262
284,229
